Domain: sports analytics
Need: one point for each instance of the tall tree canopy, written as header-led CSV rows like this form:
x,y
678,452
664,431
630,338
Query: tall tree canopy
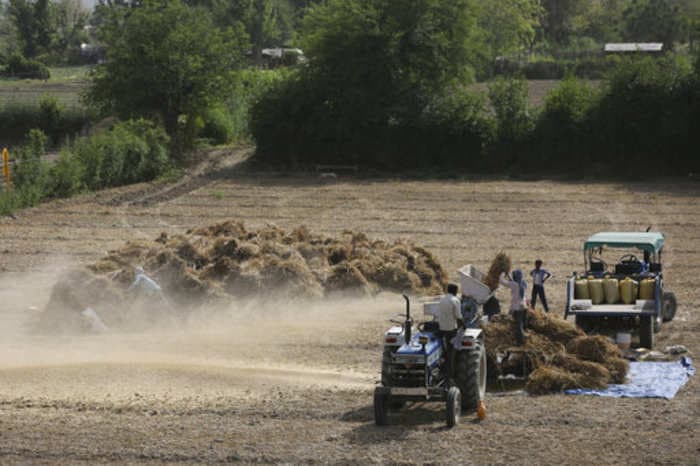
x,y
510,25
653,21
163,59
377,54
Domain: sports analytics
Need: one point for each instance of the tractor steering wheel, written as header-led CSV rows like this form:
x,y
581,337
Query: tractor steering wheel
x,y
630,259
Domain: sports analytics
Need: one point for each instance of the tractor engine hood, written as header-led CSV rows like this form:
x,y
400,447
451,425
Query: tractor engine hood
x,y
416,348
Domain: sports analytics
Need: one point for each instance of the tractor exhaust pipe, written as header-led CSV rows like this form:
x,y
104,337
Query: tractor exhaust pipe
x,y
408,325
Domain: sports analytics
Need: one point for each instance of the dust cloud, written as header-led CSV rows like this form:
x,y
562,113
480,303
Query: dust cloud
x,y
227,349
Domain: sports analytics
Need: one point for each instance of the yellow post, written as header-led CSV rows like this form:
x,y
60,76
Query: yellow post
x,y
6,167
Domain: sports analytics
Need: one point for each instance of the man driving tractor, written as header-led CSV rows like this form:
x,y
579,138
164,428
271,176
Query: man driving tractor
x,y
449,319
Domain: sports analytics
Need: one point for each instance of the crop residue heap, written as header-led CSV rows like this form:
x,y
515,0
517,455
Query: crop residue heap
x,y
227,260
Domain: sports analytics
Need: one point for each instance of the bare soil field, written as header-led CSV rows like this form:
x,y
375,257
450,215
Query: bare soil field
x,y
291,382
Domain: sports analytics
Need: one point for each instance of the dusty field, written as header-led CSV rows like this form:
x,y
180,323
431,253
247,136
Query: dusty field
x,y
292,383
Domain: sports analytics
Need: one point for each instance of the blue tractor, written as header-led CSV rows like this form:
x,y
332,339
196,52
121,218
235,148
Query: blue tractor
x,y
414,368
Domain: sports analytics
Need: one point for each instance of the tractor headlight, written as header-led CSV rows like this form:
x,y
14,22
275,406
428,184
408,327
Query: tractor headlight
x,y
423,340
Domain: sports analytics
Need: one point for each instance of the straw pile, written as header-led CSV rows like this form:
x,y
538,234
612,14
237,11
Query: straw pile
x,y
227,260
556,355
501,264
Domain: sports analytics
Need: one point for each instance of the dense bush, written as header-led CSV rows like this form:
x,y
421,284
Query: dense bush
x,y
54,119
371,91
645,120
218,125
293,124
648,118
129,152
588,67
509,98
25,68
562,135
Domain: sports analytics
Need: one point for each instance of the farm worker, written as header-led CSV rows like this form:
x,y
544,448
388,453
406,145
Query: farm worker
x,y
518,303
469,311
449,320
539,276
144,284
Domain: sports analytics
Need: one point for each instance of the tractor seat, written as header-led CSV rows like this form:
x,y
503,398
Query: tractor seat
x,y
431,326
597,267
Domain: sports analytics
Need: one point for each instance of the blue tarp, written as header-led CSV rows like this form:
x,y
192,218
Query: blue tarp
x,y
648,380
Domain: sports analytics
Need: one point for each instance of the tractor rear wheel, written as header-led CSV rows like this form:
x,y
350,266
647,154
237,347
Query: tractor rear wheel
x,y
381,407
471,376
668,312
454,406
646,331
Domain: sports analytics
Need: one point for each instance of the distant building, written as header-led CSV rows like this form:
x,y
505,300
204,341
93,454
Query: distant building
x,y
634,47
276,57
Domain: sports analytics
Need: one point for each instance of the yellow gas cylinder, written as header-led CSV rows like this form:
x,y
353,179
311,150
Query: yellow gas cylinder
x,y
628,290
647,288
595,288
581,289
611,288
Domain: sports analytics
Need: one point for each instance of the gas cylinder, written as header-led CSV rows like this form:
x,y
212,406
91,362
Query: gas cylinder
x,y
611,289
647,288
581,289
628,290
595,287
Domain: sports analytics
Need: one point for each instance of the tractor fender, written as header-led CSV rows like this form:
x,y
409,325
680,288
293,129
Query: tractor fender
x,y
469,339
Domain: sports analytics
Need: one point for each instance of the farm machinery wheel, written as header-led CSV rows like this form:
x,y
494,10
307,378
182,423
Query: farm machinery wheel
x,y
669,310
386,360
471,377
583,322
454,406
381,407
646,331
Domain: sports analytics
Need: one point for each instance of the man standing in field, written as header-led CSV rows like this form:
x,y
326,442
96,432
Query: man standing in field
x,y
539,276
518,302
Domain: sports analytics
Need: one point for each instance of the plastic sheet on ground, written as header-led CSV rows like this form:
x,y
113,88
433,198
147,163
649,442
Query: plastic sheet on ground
x,y
648,380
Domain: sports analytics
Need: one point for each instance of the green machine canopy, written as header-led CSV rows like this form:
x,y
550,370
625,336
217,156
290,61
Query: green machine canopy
x,y
649,241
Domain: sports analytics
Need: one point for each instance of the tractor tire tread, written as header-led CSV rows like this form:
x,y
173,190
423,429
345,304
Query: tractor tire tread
x,y
467,378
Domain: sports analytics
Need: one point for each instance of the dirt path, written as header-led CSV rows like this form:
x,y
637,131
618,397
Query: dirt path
x,y
292,382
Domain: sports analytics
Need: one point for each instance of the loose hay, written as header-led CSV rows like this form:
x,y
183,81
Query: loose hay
x,y
226,260
556,354
501,264
596,348
550,379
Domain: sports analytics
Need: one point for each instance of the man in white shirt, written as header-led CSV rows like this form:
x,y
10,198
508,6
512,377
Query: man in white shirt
x,y
518,303
449,319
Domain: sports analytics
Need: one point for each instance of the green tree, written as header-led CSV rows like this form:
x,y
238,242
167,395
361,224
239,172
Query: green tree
x,y
509,100
164,59
563,17
380,56
510,25
69,19
653,21
21,13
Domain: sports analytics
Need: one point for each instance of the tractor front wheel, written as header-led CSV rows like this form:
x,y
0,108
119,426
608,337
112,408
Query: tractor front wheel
x,y
381,407
646,331
454,406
